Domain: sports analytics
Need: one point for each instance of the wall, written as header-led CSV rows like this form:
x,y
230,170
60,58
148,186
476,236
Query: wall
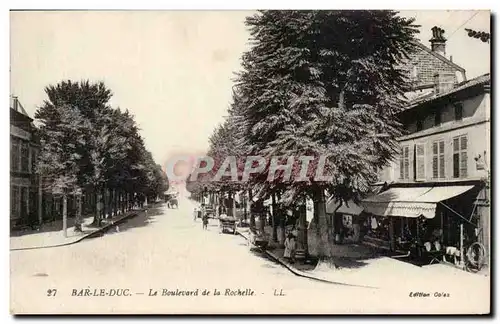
x,y
427,65
475,124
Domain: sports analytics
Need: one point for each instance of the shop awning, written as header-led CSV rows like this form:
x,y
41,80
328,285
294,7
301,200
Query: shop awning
x,y
411,202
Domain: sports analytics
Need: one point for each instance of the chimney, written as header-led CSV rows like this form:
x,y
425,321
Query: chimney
x,y
14,103
438,42
444,82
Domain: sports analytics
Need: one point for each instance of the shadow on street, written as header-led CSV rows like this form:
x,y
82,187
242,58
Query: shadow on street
x,y
141,220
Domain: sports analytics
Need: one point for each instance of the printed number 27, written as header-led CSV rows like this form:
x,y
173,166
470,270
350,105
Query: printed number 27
x,y
51,292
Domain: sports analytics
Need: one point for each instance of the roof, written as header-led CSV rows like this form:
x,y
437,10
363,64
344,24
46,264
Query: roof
x,y
439,56
483,79
15,104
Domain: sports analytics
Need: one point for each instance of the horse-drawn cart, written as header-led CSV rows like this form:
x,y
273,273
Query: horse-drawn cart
x,y
227,224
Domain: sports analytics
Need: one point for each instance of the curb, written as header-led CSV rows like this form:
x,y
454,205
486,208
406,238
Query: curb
x,y
86,236
302,274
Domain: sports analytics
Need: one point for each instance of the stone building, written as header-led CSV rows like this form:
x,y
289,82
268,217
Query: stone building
x,y
24,148
440,180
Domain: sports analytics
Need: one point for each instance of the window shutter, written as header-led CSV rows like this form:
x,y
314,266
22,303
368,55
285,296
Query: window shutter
x,y
463,164
435,160
420,161
463,157
455,145
441,166
401,165
463,143
441,159
407,163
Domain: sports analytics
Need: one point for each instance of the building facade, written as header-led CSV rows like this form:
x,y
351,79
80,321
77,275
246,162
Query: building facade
x,y
24,148
435,196
438,186
443,169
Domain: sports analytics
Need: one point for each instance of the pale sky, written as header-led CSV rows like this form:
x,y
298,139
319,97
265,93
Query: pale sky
x,y
172,69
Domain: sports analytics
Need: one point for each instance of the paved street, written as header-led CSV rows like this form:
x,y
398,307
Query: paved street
x,y
168,250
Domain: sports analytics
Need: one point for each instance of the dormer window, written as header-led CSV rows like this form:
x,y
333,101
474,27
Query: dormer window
x,y
414,73
420,125
459,111
437,118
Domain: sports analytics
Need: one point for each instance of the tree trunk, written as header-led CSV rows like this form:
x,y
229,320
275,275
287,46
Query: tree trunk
x,y
234,206
229,204
315,215
250,203
40,200
245,204
105,203
65,215
110,203
122,201
116,201
274,218
78,218
324,238
302,228
97,220
281,218
262,217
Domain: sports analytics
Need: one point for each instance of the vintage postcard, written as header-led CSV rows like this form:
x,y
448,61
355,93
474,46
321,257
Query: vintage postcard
x,y
250,162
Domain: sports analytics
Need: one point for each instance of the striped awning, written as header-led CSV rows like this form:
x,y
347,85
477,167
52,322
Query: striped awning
x,y
411,202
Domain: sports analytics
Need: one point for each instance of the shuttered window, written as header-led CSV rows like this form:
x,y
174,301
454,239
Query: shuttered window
x,y
460,157
404,163
25,157
420,161
14,155
438,164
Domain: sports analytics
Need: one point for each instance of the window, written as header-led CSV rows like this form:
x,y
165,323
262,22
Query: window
x,y
437,118
459,111
34,160
14,155
25,157
420,161
404,163
438,168
14,201
460,157
420,125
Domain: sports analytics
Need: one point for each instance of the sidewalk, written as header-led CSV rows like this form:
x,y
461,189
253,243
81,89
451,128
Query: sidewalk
x,y
381,272
52,237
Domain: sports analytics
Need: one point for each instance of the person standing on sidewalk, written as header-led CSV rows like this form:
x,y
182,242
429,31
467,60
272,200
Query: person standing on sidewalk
x,y
290,247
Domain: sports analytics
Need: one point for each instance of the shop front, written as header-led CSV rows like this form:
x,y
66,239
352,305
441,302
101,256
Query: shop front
x,y
428,222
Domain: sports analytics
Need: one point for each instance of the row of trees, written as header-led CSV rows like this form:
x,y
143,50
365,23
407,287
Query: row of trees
x,y
317,83
86,145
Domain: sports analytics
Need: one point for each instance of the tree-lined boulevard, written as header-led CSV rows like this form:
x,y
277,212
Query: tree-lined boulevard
x,y
322,89
167,249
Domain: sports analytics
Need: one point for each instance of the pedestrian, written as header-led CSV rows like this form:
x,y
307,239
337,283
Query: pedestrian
x,y
205,221
204,216
290,247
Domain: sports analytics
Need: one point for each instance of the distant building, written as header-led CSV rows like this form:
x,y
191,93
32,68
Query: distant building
x,y
24,148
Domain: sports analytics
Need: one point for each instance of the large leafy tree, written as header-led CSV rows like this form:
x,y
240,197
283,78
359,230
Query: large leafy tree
x,y
88,145
326,83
